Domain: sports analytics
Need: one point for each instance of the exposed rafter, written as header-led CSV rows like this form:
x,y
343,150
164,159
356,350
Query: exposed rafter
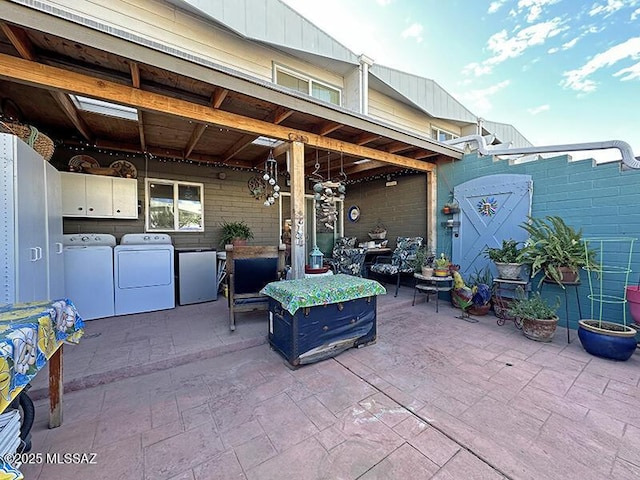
x,y
237,147
219,94
197,132
281,114
365,138
135,81
71,112
54,78
328,127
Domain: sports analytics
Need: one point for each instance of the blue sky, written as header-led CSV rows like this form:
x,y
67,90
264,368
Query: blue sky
x,y
560,71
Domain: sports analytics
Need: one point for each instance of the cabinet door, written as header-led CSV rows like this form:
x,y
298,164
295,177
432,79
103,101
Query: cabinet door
x,y
55,274
31,232
125,198
74,194
99,196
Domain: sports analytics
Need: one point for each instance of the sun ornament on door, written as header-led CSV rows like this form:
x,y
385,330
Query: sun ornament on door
x,y
487,206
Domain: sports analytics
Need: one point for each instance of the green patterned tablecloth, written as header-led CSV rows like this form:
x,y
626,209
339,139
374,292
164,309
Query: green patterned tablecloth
x,y
323,290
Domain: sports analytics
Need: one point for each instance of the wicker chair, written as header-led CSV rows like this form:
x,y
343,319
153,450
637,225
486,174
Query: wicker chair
x,y
400,260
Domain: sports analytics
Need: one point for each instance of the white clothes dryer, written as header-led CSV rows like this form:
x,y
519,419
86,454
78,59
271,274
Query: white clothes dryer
x,y
144,273
88,273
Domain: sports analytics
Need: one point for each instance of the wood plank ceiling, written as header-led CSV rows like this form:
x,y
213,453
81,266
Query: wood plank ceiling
x,y
178,117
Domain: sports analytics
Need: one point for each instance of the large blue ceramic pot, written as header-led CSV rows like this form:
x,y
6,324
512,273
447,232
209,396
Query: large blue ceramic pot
x,y
607,339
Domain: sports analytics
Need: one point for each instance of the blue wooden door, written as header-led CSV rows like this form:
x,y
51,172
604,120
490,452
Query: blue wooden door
x,y
491,210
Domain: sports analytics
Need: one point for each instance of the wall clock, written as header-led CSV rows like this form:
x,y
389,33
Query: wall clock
x,y
353,213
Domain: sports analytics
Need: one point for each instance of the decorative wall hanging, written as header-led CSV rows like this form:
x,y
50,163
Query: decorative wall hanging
x,y
326,192
266,186
487,206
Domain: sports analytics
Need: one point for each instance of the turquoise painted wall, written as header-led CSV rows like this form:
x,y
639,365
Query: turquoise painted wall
x,y
604,201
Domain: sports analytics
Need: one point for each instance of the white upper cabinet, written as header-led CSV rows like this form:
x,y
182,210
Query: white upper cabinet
x,y
99,196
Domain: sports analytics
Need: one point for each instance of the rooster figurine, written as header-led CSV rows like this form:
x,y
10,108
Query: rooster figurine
x,y
465,297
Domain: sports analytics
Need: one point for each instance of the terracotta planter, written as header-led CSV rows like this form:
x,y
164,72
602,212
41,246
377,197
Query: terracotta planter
x,y
633,299
539,329
607,339
567,276
479,310
239,242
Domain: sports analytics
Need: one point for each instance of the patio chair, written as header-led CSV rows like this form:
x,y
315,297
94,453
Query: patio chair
x,y
339,246
400,260
350,261
249,269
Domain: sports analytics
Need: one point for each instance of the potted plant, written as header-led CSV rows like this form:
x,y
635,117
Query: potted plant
x,y
423,261
537,317
235,233
441,266
506,260
555,249
379,232
480,282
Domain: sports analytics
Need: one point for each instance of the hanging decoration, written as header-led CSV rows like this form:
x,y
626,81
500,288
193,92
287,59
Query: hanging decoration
x,y
266,186
326,192
487,206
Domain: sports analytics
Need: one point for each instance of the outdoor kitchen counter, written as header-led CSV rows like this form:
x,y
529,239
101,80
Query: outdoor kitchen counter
x,y
315,318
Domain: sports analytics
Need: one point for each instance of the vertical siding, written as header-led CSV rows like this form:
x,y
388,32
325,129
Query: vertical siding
x,y
600,200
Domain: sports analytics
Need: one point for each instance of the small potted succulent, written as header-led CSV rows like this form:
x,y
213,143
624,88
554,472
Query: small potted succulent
x,y
450,207
423,261
441,266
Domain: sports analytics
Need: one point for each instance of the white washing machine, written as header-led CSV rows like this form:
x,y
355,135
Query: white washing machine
x,y
144,273
88,273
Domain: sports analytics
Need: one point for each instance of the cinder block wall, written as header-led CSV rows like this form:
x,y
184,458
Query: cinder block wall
x,y
602,200
401,208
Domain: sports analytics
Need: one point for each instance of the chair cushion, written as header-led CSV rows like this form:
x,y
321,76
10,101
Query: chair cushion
x,y
341,243
406,249
350,261
384,268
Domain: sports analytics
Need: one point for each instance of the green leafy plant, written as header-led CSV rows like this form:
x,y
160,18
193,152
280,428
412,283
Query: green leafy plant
x,y
508,253
442,261
422,258
234,230
480,277
553,244
534,307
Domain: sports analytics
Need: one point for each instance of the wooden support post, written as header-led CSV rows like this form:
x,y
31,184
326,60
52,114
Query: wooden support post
x,y
298,228
432,211
56,388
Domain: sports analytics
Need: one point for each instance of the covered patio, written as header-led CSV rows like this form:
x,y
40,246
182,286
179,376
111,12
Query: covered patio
x,y
174,394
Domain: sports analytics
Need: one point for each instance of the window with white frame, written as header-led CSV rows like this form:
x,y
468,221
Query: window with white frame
x,y
442,135
308,85
174,206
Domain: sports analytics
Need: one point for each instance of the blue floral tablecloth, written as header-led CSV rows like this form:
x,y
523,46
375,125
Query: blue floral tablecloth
x,y
321,290
29,334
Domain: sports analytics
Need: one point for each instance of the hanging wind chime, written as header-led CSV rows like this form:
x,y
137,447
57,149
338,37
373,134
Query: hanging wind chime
x,y
326,192
266,186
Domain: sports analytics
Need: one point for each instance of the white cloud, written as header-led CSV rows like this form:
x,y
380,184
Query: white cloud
x,y
539,109
495,6
611,7
384,3
505,47
629,73
413,31
578,79
534,8
635,14
480,100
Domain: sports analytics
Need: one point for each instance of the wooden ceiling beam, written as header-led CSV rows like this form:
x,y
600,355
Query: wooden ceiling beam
x,y
219,94
53,78
19,39
328,127
242,143
135,81
197,132
424,154
70,110
281,114
365,138
397,147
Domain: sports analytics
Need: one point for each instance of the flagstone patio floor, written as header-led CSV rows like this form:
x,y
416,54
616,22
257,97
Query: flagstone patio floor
x,y
175,395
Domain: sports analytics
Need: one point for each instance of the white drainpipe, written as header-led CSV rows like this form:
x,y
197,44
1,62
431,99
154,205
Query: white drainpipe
x,y
625,149
365,63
